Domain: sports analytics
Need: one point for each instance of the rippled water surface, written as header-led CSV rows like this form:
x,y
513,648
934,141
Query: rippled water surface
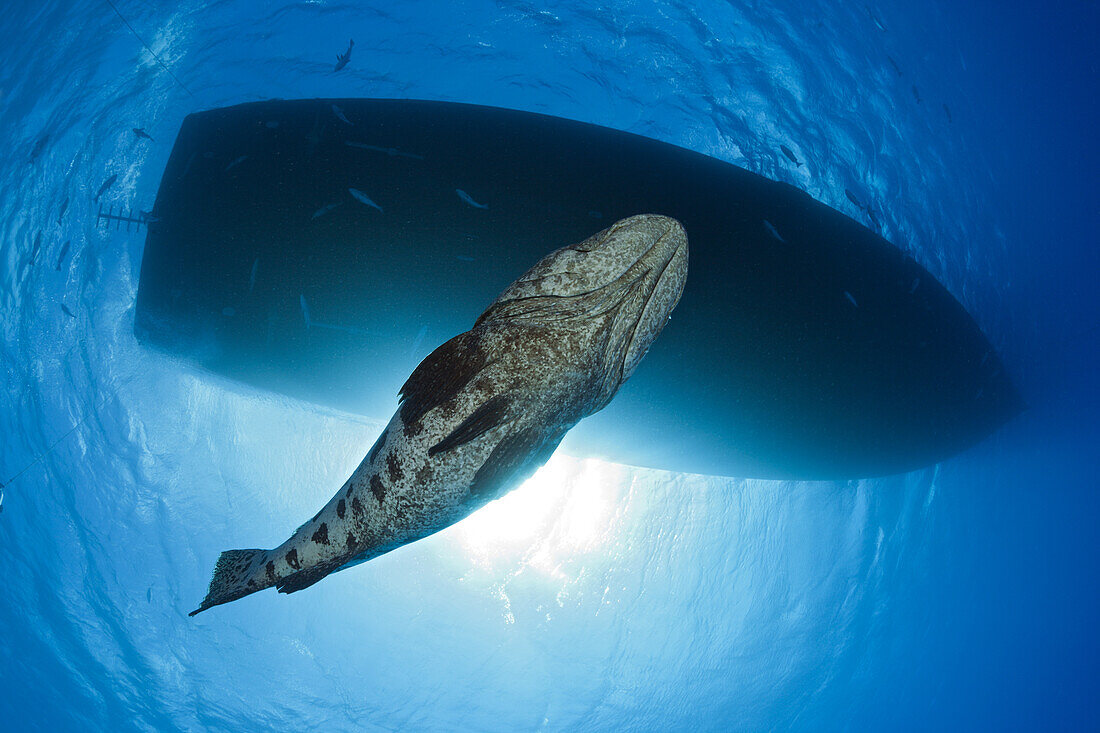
x,y
596,596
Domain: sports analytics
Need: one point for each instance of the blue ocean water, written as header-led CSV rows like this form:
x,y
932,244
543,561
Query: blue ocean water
x,y
596,596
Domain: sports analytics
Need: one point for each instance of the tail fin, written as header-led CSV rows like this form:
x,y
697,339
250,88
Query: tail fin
x,y
234,577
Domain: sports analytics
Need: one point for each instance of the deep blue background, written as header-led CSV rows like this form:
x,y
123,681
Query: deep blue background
x,y
597,597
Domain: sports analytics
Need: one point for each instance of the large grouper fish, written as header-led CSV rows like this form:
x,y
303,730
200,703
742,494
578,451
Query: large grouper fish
x,y
483,411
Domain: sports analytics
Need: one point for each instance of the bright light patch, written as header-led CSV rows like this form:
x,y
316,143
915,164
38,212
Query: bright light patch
x,y
565,509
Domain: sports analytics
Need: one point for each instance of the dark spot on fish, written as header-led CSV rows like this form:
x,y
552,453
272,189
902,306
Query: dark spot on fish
x,y
377,488
341,507
315,516
393,468
357,507
271,570
321,535
351,541
292,560
351,488
251,583
413,429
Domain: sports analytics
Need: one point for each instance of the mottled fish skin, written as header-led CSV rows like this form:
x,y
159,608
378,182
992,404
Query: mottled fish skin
x,y
487,408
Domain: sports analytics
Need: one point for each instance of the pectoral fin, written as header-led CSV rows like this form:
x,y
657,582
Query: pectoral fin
x,y
494,412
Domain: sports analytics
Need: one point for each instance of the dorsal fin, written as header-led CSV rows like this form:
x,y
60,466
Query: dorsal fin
x,y
441,376
493,412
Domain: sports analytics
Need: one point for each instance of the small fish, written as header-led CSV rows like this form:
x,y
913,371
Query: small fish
x,y
236,162
67,312
39,147
363,198
305,309
875,20
947,111
790,155
392,152
142,134
873,218
64,208
464,258
916,93
343,58
106,184
187,167
595,214
914,285
64,251
147,217
252,277
1,498
340,115
149,595
852,197
34,251
772,231
851,299
894,64
418,340
323,210
271,124
469,200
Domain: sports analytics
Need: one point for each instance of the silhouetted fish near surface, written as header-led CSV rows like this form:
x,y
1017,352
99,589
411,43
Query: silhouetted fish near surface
x,y
236,162
418,340
66,311
851,298
106,184
790,155
343,58
64,251
64,208
875,20
142,134
469,199
39,146
486,409
916,94
363,198
340,115
947,111
324,210
35,250
894,64
852,197
388,151
772,231
305,310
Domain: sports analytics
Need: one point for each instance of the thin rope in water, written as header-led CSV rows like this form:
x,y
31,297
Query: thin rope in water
x,y
147,48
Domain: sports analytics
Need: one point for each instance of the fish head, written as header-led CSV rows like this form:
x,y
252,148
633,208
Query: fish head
x,y
622,283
